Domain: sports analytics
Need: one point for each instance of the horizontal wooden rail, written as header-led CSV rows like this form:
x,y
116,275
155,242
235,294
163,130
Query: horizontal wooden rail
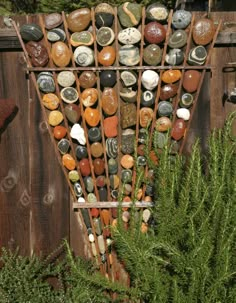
x,y
142,204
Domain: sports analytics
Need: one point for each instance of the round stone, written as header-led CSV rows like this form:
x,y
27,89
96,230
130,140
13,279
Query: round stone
x,y
102,194
114,181
60,54
128,78
127,141
149,79
104,15
203,31
171,76
68,161
107,56
101,181
157,12
66,78
152,54
69,95
37,53
145,116
94,134
92,199
178,129
112,147
55,117
128,94
154,32
168,91
127,161
110,126
104,8
175,56
73,176
99,166
73,113
191,80
183,113
79,19
186,100
81,38
94,213
77,132
108,78
165,108
105,36
160,139
130,35
52,20
141,149
63,146
142,135
81,152
178,39
56,34
89,184
92,116
126,175
129,14
129,55
109,101
148,98
84,56
50,101
96,149
128,115
197,55
31,32
89,96
59,132
114,195
112,166
141,161
78,189
84,167
163,124
181,19
87,79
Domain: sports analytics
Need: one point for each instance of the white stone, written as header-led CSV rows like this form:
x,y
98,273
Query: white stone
x,y
91,238
84,56
183,113
150,79
130,35
146,215
77,132
66,78
81,200
101,244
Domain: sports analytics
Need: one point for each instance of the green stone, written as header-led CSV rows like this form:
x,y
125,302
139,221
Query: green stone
x,y
129,14
73,176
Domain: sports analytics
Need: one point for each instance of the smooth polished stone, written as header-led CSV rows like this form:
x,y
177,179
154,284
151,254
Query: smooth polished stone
x,y
52,20
59,132
96,149
178,129
203,31
94,212
128,94
91,238
181,19
112,147
197,55
150,79
114,181
128,115
154,32
127,161
191,80
157,12
153,157
55,117
72,112
129,14
69,95
112,166
73,176
92,116
104,19
89,184
178,39
175,56
84,167
87,79
129,55
104,8
145,116
148,98
81,152
130,35
50,101
163,124
165,108
77,132
66,78
141,161
63,146
110,125
37,53
108,78
141,149
160,139
68,161
142,135
101,244
84,56
60,54
31,32
102,191
139,194
89,97
126,175
152,54
101,181
105,216
92,199
97,225
171,76
127,141
127,189
109,101
128,78
81,38
107,56
78,189
56,34
105,36
183,113
79,19
186,100
86,218
125,216
99,166
94,134
168,91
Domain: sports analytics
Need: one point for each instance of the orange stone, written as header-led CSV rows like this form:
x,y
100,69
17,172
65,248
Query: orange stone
x,y
127,161
89,96
96,149
68,161
153,157
203,31
178,129
109,101
110,126
107,56
171,76
51,101
163,124
94,212
191,80
145,116
147,199
99,166
126,199
144,227
105,215
92,116
60,54
59,132
139,194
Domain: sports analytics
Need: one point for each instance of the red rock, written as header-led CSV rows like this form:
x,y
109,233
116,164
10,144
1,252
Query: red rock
x,y
168,91
99,166
110,126
101,181
94,212
84,167
68,161
154,32
59,132
191,80
92,116
178,129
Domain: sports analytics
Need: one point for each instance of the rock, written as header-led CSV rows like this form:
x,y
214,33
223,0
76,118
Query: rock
x,y
105,216
56,34
69,95
142,135
127,141
108,78
86,218
101,244
149,79
88,183
130,35
165,108
186,100
96,149
83,56
125,216
191,80
160,139
129,14
68,161
31,32
59,132
87,79
128,94
145,116
92,116
129,55
183,113
94,212
102,194
104,15
79,19
110,126
127,161
77,132
112,166
107,56
37,53
78,189
81,38
148,98
168,91
171,76
154,32
98,166
84,167
178,129
157,12
197,55
105,36
178,39
112,147
92,199
101,181
128,115
81,152
126,175
89,96
72,112
141,149
114,181
52,20
97,225
60,54
152,54
128,78
73,176
55,117
153,157
163,124
66,78
91,238
141,161
175,56
181,19
50,101
109,101
63,146
203,31
94,134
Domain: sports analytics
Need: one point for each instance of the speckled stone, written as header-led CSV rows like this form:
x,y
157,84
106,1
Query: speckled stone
x,y
186,100
56,34
165,108
157,12
38,53
81,152
126,175
31,32
191,80
108,78
150,79
84,55
142,135
92,116
128,115
94,134
145,116
128,94
112,166
77,132
163,124
107,56
81,38
197,55
154,32
68,161
130,35
78,189
105,36
96,149
152,54
72,112
148,98
87,79
73,176
89,96
112,147
127,141
84,167
175,56
69,95
63,146
79,19
183,113
171,76
99,166
55,117
50,101
59,132
109,101
160,139
129,14
110,125
129,55
181,19
168,91
66,78
178,129
104,15
60,54
178,39
52,20
203,31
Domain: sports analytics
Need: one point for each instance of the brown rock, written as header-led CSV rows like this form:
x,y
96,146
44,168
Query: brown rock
x,y
60,54
107,56
110,126
128,115
99,166
87,79
89,96
154,32
96,149
37,52
168,91
79,19
191,80
59,132
178,129
109,101
145,116
203,31
163,124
